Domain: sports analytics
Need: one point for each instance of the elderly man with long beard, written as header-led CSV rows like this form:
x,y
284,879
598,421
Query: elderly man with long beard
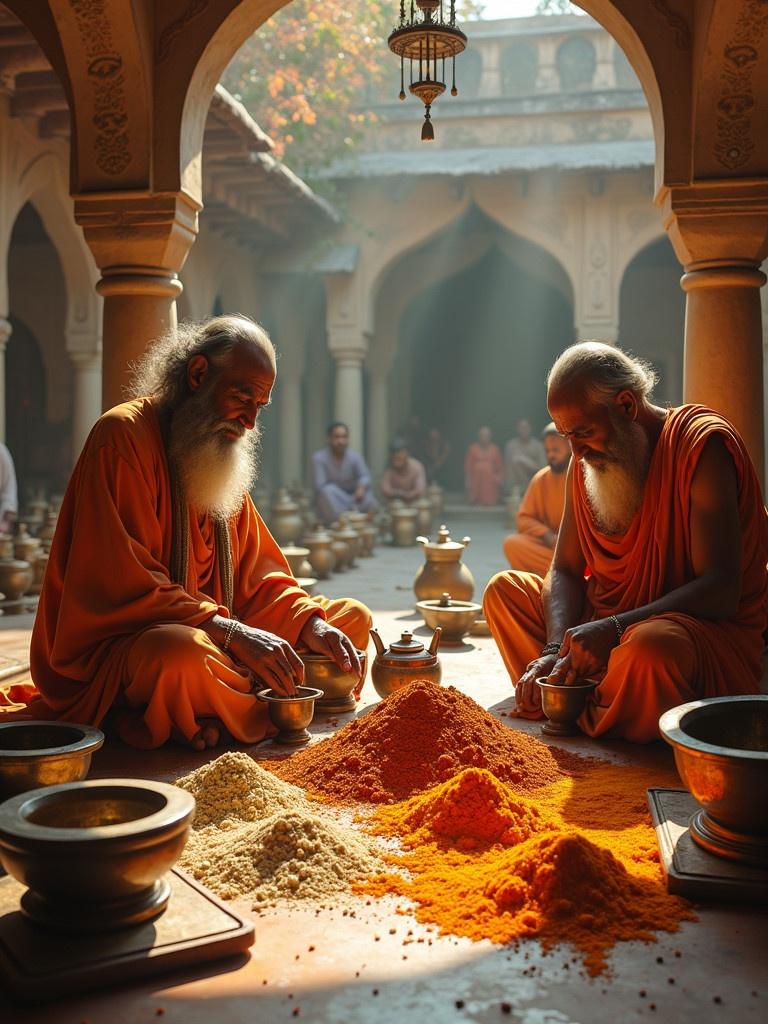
x,y
658,586
166,601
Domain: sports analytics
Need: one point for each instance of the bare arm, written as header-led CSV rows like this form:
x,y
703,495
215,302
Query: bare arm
x,y
714,591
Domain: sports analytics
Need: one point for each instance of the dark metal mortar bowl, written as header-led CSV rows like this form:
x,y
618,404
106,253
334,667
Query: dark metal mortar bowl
x,y
721,753
35,753
93,854
563,704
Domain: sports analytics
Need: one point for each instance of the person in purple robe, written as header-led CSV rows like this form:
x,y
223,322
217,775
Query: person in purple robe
x,y
340,477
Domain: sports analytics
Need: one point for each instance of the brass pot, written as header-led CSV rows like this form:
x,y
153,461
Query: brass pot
x,y
93,854
15,580
321,556
562,705
39,572
423,508
341,554
403,526
45,535
35,754
6,547
443,572
721,753
296,558
455,618
350,539
25,547
336,686
286,523
370,536
291,715
405,661
353,537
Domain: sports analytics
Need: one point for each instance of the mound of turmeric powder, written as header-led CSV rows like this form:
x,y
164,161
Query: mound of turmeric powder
x,y
471,810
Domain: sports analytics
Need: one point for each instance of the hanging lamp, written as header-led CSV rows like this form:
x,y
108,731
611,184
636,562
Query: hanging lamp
x,y
426,42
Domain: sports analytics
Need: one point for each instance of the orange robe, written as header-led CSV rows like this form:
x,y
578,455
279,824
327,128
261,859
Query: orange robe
x,y
540,511
113,629
667,659
483,472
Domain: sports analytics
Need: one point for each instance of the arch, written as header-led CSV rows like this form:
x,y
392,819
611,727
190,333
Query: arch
x,y
518,68
469,74
576,63
647,235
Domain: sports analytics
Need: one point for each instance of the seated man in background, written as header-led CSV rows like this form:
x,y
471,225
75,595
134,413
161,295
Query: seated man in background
x,y
404,477
340,477
540,512
658,587
523,456
166,599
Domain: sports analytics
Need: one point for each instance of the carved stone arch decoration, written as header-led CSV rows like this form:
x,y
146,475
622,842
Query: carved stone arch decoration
x,y
648,232
42,184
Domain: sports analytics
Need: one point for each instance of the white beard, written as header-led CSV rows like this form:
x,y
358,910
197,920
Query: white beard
x,y
215,472
615,487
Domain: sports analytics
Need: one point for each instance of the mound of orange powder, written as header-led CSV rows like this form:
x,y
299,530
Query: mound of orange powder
x,y
420,736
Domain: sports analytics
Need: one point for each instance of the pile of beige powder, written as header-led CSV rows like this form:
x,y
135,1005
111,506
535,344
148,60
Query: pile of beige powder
x,y
255,836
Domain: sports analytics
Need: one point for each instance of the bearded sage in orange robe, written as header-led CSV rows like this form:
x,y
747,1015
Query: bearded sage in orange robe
x,y
540,512
114,630
667,659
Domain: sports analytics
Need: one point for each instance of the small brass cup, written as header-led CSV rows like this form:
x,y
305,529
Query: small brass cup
x,y
336,686
562,705
291,715
35,754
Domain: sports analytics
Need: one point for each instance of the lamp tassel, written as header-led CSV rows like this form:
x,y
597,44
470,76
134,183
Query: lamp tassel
x,y
427,129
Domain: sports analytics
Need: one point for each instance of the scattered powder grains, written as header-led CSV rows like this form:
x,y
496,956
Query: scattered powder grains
x,y
293,855
235,788
422,735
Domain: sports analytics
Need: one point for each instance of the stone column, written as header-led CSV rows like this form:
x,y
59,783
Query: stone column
x,y
348,394
378,421
291,416
5,333
139,242
720,234
87,396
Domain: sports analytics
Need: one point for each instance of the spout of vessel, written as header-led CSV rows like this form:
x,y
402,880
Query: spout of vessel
x,y
378,643
435,641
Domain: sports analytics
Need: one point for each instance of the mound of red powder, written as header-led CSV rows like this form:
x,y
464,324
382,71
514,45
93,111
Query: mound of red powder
x,y
420,736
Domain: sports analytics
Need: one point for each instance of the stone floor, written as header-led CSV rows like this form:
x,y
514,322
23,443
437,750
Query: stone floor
x,y
720,974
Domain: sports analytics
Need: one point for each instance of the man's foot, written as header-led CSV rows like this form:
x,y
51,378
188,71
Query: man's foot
x,y
206,737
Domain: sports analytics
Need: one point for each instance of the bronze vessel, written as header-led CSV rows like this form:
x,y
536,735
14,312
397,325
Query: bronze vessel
x,y
285,522
296,558
93,854
344,534
38,569
319,543
16,578
35,754
562,705
443,571
455,618
46,532
435,493
721,753
291,715
403,662
403,519
370,534
353,537
336,686
25,547
424,514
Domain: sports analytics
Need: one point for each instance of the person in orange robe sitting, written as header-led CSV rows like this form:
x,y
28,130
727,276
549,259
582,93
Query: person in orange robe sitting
x,y
166,600
658,587
483,470
540,512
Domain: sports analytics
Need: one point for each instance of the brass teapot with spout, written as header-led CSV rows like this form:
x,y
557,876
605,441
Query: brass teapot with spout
x,y
443,571
404,661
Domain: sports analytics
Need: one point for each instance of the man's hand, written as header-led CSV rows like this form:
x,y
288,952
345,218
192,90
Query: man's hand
x,y
270,659
359,492
585,651
322,638
527,693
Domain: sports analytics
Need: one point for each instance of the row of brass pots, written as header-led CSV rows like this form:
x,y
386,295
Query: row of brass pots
x,y
22,564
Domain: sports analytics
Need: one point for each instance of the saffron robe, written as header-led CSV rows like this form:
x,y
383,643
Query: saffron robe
x,y
540,512
483,473
667,659
107,589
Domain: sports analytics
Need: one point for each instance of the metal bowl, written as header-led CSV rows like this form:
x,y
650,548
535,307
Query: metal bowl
x,y
336,686
34,754
721,753
455,618
562,705
291,715
93,854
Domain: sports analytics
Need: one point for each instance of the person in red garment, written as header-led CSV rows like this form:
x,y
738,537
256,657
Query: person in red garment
x,y
166,601
540,512
658,587
483,470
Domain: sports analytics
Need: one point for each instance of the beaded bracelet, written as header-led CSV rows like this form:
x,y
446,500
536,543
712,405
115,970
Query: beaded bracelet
x,y
229,632
552,648
618,625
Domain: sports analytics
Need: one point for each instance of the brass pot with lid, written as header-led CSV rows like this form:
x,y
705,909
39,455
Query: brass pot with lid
x,y
321,556
424,515
25,547
286,522
443,571
455,618
403,662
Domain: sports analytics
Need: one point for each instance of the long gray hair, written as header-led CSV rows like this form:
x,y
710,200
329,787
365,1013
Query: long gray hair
x,y
601,371
162,371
